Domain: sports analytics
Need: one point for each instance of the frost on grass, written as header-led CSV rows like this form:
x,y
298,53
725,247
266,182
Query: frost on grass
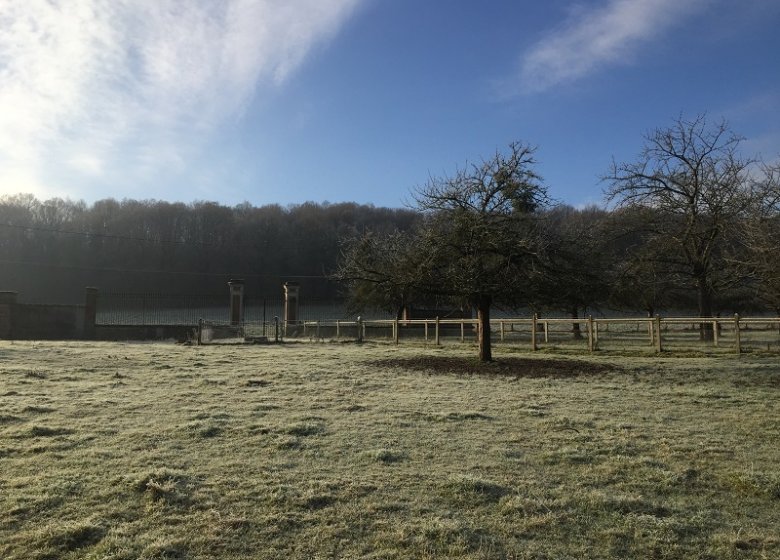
x,y
385,452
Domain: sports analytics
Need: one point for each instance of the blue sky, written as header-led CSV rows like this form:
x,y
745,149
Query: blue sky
x,y
271,101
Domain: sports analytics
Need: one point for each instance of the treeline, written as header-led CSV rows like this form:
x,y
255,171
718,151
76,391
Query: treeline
x,y
599,260
51,249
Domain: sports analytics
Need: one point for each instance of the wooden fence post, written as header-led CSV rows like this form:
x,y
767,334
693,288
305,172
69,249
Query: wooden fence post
x,y
501,329
462,331
359,329
338,329
396,335
436,334
658,345
546,325
591,345
715,333
737,334
534,320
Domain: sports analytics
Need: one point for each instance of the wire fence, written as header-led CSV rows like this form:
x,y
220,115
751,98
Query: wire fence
x,y
117,308
120,308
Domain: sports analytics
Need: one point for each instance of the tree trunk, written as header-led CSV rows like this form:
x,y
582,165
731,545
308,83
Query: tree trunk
x,y
575,327
705,308
483,334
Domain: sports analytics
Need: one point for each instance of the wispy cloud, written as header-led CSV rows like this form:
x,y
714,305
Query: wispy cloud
x,y
87,83
593,37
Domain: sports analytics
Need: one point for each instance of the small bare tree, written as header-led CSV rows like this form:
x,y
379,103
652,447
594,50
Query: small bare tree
x,y
382,271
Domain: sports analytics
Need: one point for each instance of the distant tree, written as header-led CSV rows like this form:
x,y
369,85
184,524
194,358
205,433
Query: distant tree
x,y
578,271
760,242
478,242
643,278
382,271
695,179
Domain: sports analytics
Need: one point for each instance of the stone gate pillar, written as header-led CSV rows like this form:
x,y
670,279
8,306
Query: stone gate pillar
x,y
236,302
7,304
291,306
90,312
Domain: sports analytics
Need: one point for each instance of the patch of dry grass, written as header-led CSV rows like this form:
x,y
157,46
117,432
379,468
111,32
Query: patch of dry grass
x,y
125,451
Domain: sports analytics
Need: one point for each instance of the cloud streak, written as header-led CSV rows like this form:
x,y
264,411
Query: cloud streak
x,y
87,84
595,37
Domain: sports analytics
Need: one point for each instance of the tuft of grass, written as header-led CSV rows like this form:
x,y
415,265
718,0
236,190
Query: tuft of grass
x,y
469,488
756,483
74,535
34,409
166,549
386,456
165,486
46,431
305,428
257,382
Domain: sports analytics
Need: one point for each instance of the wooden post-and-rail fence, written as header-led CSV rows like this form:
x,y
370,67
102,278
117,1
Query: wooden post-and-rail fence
x,y
660,332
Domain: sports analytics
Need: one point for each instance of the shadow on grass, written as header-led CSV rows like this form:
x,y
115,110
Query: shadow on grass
x,y
517,367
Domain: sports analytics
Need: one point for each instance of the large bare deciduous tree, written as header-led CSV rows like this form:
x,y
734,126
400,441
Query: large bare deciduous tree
x,y
478,241
694,178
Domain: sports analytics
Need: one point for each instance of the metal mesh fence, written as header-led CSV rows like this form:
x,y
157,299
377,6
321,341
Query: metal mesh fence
x,y
159,309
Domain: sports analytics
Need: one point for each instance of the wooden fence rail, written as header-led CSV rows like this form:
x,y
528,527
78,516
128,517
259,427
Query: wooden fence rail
x,y
658,332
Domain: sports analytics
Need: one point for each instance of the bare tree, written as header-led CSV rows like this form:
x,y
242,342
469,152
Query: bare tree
x,y
578,267
382,271
692,175
642,277
478,241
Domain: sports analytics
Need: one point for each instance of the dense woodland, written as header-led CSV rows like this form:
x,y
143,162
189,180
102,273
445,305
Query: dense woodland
x,y
50,250
689,227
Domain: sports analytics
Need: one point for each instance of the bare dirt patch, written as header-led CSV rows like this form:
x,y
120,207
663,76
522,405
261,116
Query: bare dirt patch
x,y
518,367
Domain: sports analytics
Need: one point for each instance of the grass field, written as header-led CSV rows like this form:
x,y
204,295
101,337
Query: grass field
x,y
125,451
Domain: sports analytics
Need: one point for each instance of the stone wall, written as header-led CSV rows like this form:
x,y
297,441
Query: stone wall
x,y
24,321
47,322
